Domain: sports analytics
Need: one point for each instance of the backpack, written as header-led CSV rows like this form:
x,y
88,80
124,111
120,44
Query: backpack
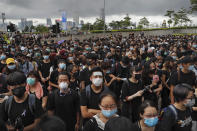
x,y
172,109
31,104
88,91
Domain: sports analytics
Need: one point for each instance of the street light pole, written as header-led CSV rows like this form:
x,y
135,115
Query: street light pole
x,y
104,18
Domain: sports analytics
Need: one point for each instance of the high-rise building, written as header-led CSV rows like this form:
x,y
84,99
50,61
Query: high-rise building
x,y
25,23
49,22
76,21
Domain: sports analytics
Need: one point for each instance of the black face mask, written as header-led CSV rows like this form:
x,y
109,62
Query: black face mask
x,y
19,91
138,76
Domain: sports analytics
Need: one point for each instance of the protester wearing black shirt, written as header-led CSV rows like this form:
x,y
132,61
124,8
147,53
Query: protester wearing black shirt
x,y
54,74
178,116
132,91
2,62
90,95
20,109
44,69
149,117
121,71
183,75
64,103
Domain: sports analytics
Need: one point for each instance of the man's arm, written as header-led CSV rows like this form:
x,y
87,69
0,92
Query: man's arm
x,y
85,113
171,94
32,126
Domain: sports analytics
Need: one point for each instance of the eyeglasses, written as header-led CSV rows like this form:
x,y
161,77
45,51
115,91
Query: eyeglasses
x,y
109,106
151,115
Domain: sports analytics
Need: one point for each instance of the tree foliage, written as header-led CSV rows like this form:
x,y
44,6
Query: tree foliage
x,y
144,22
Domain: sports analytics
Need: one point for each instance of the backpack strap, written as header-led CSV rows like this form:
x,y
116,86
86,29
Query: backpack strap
x,y
172,108
88,91
32,103
8,105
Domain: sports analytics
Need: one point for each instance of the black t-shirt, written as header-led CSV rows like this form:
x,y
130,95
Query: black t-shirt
x,y
54,76
3,84
92,101
65,106
129,88
136,126
188,78
2,66
169,123
194,113
22,110
44,68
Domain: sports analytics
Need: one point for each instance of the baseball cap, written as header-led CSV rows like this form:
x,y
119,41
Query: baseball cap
x,y
10,60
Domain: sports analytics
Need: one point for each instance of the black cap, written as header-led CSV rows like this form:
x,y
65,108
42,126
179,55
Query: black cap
x,y
186,60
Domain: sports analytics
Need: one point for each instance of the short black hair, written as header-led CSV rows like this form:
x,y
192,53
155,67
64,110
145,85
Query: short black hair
x,y
46,53
16,78
64,73
181,91
50,123
118,124
125,60
61,61
146,104
105,94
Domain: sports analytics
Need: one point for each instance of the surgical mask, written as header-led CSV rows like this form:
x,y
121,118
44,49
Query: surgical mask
x,y
174,57
11,67
19,91
97,81
3,57
151,122
109,113
49,50
138,76
30,50
46,57
63,86
195,46
88,49
165,53
31,81
4,47
12,49
62,66
70,58
71,49
131,48
190,103
108,71
191,67
123,66
38,54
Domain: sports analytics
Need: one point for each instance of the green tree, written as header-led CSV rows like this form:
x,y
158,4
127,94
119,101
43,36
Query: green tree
x,y
42,29
126,22
193,5
87,26
98,24
144,22
26,29
183,16
170,22
169,13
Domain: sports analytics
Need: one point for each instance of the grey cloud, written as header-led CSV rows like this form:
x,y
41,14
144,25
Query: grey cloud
x,y
86,8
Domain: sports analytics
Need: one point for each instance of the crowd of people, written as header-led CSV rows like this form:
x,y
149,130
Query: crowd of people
x,y
113,83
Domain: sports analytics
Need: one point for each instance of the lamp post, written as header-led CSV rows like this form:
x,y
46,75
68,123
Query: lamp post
x,y
104,18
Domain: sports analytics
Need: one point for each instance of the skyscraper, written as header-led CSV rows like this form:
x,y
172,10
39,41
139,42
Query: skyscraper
x,y
49,22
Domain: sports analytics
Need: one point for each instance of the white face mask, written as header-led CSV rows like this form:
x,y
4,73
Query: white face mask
x,y
63,86
97,81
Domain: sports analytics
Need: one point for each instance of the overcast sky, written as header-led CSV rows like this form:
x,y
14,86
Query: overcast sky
x,y
88,8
